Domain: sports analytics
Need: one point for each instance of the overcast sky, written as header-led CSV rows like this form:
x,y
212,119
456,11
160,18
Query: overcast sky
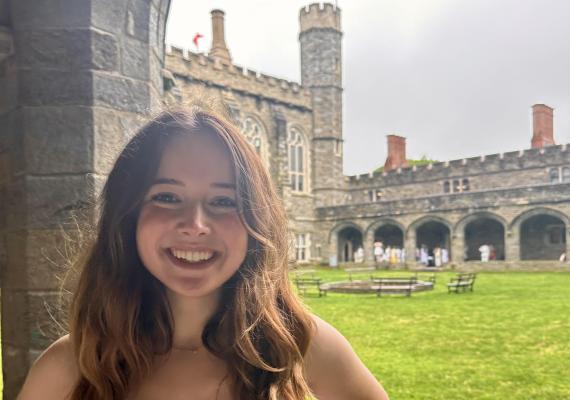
x,y
457,78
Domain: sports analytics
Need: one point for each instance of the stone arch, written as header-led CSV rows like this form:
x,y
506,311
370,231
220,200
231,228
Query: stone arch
x,y
431,231
393,232
347,236
543,234
482,228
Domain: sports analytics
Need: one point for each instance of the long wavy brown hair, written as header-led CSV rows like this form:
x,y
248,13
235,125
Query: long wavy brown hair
x,y
120,316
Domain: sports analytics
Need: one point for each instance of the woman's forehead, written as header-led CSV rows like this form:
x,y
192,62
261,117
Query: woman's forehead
x,y
197,155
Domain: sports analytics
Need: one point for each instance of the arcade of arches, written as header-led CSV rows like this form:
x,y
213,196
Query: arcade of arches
x,y
540,234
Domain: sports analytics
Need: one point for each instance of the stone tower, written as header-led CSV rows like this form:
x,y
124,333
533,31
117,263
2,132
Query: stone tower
x,y
321,72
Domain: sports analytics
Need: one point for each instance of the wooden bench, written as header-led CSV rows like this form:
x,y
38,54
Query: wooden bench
x,y
356,270
394,285
462,282
303,284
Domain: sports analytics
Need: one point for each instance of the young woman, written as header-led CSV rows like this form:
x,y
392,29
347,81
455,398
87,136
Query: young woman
x,y
184,293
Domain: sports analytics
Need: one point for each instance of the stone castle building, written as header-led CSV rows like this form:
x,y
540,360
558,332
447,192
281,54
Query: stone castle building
x,y
519,202
77,76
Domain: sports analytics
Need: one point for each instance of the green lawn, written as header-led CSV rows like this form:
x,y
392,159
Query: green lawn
x,y
509,339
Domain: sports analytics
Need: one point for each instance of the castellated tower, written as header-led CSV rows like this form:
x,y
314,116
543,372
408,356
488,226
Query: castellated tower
x,y
321,72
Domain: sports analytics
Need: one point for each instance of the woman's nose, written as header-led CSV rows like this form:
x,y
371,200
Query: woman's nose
x,y
194,222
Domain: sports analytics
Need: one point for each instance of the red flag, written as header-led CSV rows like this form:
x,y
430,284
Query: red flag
x,y
196,37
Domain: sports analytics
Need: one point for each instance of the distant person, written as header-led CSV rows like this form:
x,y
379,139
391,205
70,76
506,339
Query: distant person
x,y
485,251
359,255
424,255
437,256
378,252
492,252
444,256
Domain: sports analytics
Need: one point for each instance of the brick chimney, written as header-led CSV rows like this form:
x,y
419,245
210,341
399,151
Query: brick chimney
x,y
542,126
396,153
219,49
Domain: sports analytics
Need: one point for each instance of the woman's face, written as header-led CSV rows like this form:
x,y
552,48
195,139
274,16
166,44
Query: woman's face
x,y
189,234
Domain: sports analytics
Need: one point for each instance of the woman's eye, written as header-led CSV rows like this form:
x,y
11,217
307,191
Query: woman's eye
x,y
225,202
168,198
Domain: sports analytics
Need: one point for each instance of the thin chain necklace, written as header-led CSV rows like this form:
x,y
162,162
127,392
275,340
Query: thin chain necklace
x,y
195,350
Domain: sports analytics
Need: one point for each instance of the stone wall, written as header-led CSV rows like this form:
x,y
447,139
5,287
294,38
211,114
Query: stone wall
x,y
80,78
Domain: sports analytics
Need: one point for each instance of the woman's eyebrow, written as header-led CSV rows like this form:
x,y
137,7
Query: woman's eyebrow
x,y
225,185
170,181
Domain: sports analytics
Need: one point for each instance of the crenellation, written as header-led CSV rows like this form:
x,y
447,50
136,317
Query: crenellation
x,y
472,166
320,16
198,66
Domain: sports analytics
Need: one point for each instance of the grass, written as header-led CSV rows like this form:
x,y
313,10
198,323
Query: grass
x,y
509,339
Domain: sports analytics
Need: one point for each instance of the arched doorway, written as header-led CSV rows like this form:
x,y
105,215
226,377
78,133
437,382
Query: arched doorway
x,y
484,231
390,235
542,237
433,234
349,240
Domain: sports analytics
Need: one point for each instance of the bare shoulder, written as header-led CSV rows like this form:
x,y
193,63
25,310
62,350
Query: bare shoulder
x,y
53,374
333,369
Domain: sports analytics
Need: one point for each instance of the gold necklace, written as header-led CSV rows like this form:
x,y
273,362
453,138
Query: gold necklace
x,y
193,350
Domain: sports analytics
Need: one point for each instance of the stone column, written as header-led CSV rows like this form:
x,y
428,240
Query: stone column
x,y
410,246
512,244
457,248
368,244
83,75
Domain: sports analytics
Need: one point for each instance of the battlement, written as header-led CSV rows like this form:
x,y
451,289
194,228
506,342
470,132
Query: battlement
x,y
319,15
493,163
200,67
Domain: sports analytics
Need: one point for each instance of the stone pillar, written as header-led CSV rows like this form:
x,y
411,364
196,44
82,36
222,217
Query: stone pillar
x,y
457,247
368,243
512,244
333,248
83,76
410,246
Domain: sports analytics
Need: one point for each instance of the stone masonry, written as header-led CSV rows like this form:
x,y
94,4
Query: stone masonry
x,y
507,199
76,78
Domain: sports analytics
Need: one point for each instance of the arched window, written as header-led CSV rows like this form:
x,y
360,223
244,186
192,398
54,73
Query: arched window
x,y
554,175
297,160
446,187
465,185
255,135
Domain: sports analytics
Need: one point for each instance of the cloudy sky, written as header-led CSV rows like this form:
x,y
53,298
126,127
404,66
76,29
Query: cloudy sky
x,y
456,77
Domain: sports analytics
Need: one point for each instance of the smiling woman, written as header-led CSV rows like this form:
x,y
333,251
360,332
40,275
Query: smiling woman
x,y
184,292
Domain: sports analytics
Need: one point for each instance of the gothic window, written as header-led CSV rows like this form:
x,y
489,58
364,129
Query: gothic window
x,y
554,175
565,174
446,187
297,151
256,136
302,247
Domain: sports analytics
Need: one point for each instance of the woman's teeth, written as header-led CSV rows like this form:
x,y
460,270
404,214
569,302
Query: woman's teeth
x,y
192,256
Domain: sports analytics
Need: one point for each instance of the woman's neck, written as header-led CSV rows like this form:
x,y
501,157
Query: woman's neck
x,y
190,317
